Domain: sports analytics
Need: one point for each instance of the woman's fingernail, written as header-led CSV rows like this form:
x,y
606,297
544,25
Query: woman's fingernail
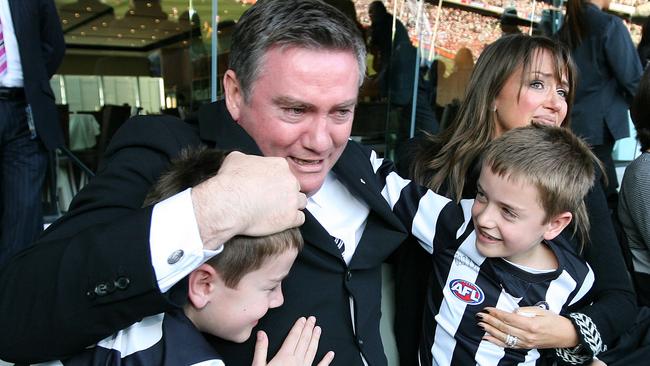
x,y
480,315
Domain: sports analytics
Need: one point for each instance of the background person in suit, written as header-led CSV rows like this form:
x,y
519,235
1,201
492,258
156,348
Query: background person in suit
x,y
609,71
31,49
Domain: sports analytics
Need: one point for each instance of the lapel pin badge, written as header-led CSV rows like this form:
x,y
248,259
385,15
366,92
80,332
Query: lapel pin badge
x,y
362,181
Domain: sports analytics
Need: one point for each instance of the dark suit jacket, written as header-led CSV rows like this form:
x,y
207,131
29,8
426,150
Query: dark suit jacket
x,y
105,236
609,73
41,46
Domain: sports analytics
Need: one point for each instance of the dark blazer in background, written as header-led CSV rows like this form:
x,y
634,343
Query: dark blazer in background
x,y
41,45
608,75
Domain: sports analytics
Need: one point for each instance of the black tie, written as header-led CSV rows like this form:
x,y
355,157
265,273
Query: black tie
x,y
339,244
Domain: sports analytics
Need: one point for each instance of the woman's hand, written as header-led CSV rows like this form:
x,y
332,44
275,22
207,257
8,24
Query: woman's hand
x,y
298,349
533,326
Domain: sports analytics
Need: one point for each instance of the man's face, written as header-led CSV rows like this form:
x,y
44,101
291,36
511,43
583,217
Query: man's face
x,y
300,108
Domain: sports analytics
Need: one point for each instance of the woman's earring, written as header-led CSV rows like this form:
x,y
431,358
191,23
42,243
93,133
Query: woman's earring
x,y
494,108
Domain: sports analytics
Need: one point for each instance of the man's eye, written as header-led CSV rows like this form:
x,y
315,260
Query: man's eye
x,y
343,112
295,111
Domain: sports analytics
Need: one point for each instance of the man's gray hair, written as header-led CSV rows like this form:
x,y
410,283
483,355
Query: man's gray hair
x,y
309,24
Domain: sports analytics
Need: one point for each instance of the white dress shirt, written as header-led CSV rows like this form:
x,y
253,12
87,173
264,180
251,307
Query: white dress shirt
x,y
342,214
174,240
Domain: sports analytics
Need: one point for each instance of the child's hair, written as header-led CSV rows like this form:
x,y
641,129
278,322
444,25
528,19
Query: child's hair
x,y
241,254
555,161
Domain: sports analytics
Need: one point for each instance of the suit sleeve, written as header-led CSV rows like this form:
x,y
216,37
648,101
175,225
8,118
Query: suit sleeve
x,y
622,58
91,274
52,41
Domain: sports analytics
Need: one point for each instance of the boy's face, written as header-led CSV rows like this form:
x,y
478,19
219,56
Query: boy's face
x,y
508,218
233,312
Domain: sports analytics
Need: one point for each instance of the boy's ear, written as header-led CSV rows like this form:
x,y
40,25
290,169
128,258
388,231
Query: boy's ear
x,y
557,224
233,93
203,281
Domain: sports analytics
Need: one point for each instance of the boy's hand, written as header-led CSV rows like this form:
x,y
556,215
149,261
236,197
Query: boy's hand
x,y
298,349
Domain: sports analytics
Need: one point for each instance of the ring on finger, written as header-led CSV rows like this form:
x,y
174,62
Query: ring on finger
x,y
511,341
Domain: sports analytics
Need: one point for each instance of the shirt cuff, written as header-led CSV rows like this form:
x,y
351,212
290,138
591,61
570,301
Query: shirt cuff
x,y
175,244
590,342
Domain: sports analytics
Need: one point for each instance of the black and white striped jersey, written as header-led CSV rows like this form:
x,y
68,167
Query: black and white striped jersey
x,y
464,282
165,339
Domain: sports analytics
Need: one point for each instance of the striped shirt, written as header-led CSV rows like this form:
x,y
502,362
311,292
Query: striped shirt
x,y
464,282
166,339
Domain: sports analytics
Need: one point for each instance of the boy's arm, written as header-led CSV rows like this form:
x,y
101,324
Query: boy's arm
x,y
423,212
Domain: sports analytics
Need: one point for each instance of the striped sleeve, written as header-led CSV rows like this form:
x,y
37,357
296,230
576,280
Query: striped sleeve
x,y
417,207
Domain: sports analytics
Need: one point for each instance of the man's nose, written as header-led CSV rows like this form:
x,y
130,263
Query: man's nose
x,y
318,136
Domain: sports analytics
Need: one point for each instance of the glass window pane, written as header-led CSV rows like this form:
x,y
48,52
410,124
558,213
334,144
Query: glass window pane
x,y
119,90
83,92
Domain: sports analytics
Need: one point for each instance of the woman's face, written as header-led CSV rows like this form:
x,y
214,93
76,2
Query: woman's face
x,y
541,98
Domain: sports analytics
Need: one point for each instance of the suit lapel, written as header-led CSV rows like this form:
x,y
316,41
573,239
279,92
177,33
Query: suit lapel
x,y
314,233
383,232
216,127
354,171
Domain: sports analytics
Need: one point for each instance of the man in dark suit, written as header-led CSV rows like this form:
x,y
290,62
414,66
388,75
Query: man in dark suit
x,y
31,50
609,71
291,88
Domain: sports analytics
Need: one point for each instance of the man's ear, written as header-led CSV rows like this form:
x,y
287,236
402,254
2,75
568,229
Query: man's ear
x,y
234,94
557,223
203,281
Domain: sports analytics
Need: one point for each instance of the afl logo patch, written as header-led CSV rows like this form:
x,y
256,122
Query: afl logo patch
x,y
466,291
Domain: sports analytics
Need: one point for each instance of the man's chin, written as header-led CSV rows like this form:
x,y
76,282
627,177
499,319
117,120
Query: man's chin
x,y
310,186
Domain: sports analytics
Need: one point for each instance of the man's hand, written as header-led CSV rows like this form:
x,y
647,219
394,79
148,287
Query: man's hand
x,y
298,349
250,195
